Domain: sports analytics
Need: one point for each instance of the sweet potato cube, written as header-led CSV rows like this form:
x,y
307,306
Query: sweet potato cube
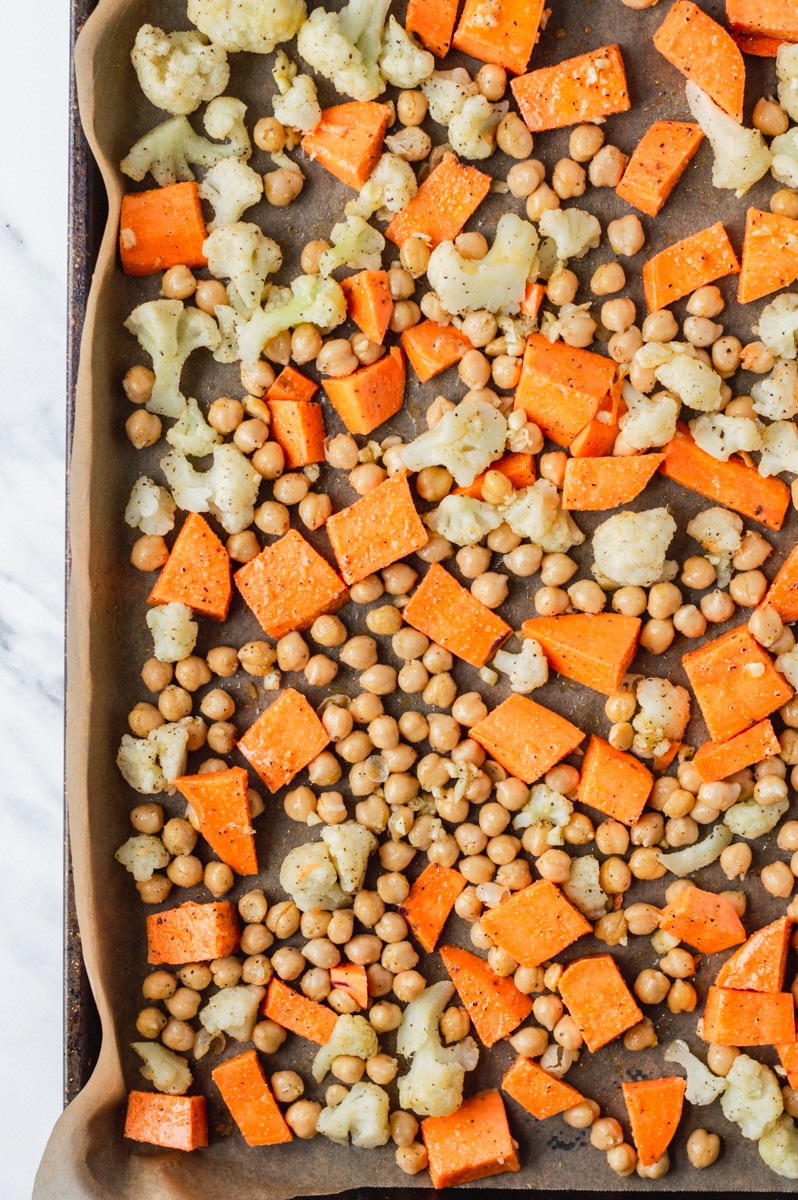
x,y
770,255
737,1018
788,1056
432,23
592,484
298,428
291,384
595,649
657,164
783,591
429,902
192,933
219,798
586,88
297,1013
561,388
615,783
735,682
472,1143
597,998
377,530
449,195
372,394
763,18
760,963
197,572
348,140
704,52
524,737
433,348
689,264
537,1091
597,438
352,979
368,302
535,924
493,1002
174,1122
507,39
518,468
448,614
288,585
718,760
162,228
755,44
655,1109
704,920
252,1106
285,738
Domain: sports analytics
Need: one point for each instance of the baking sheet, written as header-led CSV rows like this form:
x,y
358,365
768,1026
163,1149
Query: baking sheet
x,y
108,641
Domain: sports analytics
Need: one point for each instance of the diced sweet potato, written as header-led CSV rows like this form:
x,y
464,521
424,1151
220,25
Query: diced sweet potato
x,y
788,1056
735,682
597,998
537,1091
737,1018
472,1143
717,760
535,924
763,18
595,649
174,1122
597,438
288,585
586,88
429,902
760,963
197,572
783,591
298,428
372,394
755,44
162,228
247,1094
433,24
192,933
657,164
284,739
507,39
770,255
615,783
518,468
368,302
592,484
433,348
291,384
655,1109
492,1001
561,389
704,920
449,195
704,52
448,614
351,978
525,738
691,263
348,140
219,799
297,1013
377,530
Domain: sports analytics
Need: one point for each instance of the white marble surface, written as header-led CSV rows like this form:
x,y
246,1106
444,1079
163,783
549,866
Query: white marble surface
x,y
34,72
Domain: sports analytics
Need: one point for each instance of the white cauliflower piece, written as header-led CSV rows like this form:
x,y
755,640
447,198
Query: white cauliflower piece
x,y
345,46
776,397
702,1086
150,764
787,72
355,244
663,716
718,532
231,187
403,62
572,230
141,855
350,845
190,487
463,520
247,24
472,133
788,665
677,367
722,436
699,855
296,104
465,441
544,804
242,253
391,185
527,670
650,420
231,325
178,71
150,508
535,513
233,1010
752,1098
166,1071
433,1087
171,745
784,149
447,92
191,434
629,548
778,325
741,155
169,332
779,449
750,820
309,876
312,300
234,486
351,1035
169,150
361,1115
583,888
778,1145
496,282
174,634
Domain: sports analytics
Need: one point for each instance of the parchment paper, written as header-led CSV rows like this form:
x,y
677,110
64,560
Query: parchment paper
x,y
87,1157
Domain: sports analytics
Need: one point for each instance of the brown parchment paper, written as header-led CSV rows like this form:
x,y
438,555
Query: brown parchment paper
x,y
87,1157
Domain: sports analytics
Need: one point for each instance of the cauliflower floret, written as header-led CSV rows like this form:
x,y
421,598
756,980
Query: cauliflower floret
x,y
629,548
312,300
169,332
535,513
178,71
391,185
583,888
784,169
231,187
447,92
403,62
192,434
472,133
433,1087
527,670
151,764
174,634
247,24
750,820
544,804
309,876
741,155
777,396
190,487
345,46
497,281
722,436
361,1115
779,449
702,1086
171,744
778,325
699,855
664,713
355,244
465,441
297,104
573,231
169,149
150,508
233,1010
350,845
141,855
242,253
787,72
677,367
650,420
231,325
463,520
234,483
351,1035
778,1145
719,533
166,1071
752,1098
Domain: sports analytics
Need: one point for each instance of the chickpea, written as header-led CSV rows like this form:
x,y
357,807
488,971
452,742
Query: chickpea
x,y
584,142
605,170
562,287
586,596
651,987
490,589
524,177
622,348
513,137
605,1133
143,429
543,199
777,879
149,553
717,606
568,179
618,315
785,203
302,1118
608,278
138,384
406,313
178,1035
209,293
703,1148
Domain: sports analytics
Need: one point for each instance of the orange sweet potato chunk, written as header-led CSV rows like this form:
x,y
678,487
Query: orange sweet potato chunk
x,y
352,979
518,468
219,798
473,1143
704,52
429,902
368,302
657,164
297,1013
718,760
763,18
197,572
298,428
174,1122
524,737
284,739
760,963
162,228
509,37
448,614
433,23
493,1002
595,649
192,933
689,264
592,484
737,1018
561,388
291,384
248,1096
655,1109
731,695
537,1091
535,924
288,585
788,1056
348,140
377,530
597,998
372,394
433,348
783,591
586,88
770,255
449,195
615,783
704,920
